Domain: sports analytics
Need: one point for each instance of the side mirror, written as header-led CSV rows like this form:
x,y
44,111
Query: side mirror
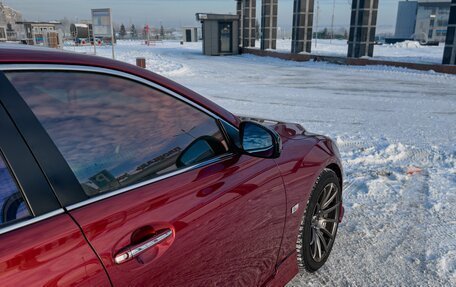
x,y
260,141
199,150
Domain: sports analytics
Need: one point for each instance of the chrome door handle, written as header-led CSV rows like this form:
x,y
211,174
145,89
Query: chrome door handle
x,y
133,251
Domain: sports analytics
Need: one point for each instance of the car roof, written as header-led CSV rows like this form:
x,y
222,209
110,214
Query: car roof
x,y
17,53
24,54
16,46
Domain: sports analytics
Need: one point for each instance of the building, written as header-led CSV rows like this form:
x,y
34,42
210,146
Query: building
x,y
406,20
423,20
432,20
190,34
220,34
3,36
82,34
8,18
8,15
42,33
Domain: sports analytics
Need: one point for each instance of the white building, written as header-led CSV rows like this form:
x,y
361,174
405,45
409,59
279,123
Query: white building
x,y
42,33
432,20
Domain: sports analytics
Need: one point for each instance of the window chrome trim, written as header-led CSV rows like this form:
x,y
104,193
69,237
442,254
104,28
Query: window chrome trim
x,y
31,221
78,68
147,182
105,71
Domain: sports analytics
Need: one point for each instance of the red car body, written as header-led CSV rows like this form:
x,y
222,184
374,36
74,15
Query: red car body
x,y
231,221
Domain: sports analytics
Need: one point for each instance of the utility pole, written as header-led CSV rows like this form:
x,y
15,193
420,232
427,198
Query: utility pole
x,y
316,29
92,35
112,40
242,23
112,34
332,22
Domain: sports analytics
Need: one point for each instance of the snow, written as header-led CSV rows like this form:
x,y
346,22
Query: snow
x,y
395,128
408,51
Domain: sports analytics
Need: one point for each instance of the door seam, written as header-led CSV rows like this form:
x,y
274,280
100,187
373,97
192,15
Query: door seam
x,y
90,245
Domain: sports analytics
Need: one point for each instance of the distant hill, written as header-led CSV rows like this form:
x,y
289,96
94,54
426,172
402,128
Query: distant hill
x,y
8,15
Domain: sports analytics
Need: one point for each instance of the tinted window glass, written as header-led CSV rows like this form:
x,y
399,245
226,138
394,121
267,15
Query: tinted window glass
x,y
115,132
12,203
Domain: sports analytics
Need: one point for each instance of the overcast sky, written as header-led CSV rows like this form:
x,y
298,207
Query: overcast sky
x,y
174,13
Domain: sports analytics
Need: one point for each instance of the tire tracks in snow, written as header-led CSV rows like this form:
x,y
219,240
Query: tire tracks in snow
x,y
388,234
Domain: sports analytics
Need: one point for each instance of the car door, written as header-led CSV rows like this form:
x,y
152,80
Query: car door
x,y
157,187
40,245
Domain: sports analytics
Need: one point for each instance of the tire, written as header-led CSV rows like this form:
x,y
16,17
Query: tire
x,y
318,228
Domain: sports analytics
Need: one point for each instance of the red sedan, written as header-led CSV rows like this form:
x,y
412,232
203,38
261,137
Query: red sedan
x,y
113,175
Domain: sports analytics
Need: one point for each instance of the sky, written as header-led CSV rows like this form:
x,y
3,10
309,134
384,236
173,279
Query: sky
x,y
174,13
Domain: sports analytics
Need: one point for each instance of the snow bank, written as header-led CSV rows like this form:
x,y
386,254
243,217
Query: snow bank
x,y
406,45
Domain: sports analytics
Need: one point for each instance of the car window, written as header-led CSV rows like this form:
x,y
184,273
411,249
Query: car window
x,y
115,132
12,204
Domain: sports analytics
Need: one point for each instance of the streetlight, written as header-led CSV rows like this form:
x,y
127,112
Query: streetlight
x,y
332,22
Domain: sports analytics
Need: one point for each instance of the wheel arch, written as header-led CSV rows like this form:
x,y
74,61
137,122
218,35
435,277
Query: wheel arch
x,y
334,167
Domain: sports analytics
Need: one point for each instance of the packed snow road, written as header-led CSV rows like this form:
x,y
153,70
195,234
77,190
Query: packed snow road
x,y
396,130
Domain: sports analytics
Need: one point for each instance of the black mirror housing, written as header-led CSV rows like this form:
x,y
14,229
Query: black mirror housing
x,y
259,141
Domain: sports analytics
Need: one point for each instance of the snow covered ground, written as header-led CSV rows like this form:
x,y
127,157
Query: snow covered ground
x,y
408,51
396,129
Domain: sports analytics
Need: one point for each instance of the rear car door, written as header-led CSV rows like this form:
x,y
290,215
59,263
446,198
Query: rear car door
x,y
153,181
40,245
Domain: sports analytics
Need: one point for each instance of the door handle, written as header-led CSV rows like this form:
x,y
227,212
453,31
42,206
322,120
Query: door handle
x,y
135,250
